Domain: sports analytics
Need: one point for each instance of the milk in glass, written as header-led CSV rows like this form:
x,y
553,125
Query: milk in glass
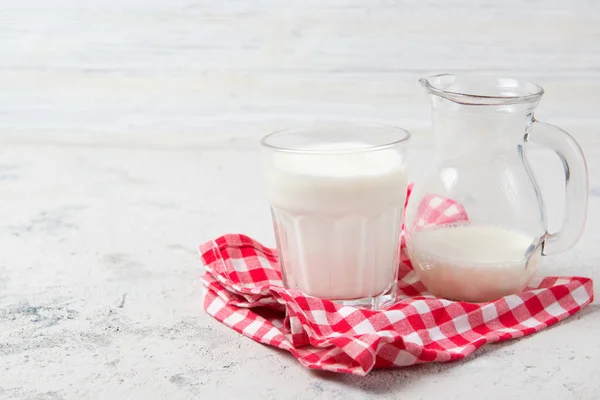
x,y
338,219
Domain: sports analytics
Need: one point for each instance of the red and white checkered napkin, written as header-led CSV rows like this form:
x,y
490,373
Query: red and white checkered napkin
x,y
244,291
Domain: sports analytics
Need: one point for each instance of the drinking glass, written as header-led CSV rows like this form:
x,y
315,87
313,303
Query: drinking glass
x,y
337,194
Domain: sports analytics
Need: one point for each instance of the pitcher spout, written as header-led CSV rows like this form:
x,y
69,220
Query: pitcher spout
x,y
481,90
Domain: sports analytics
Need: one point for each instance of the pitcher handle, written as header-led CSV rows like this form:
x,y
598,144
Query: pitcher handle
x,y
576,184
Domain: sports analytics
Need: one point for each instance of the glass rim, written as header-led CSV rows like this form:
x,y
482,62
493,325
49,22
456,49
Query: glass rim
x,y
405,135
432,85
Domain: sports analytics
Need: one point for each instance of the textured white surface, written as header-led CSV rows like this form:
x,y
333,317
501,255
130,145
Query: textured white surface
x,y
128,135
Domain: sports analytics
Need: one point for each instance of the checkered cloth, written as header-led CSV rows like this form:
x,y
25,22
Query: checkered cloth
x,y
244,291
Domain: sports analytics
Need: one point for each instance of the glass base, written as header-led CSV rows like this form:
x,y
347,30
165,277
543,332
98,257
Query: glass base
x,y
373,303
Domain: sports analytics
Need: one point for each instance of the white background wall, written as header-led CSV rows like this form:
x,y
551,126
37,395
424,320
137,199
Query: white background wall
x,y
188,71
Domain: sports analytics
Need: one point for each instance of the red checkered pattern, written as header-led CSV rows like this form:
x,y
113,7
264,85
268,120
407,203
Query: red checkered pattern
x,y
244,291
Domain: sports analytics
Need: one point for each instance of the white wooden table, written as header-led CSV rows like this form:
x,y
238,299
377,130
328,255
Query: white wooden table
x,y
129,134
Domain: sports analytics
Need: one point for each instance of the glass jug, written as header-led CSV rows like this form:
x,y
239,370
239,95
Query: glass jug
x,y
475,224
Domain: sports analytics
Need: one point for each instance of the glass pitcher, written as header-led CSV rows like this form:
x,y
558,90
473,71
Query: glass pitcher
x,y
475,224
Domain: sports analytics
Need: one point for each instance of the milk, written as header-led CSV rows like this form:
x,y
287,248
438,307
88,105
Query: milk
x,y
473,263
338,219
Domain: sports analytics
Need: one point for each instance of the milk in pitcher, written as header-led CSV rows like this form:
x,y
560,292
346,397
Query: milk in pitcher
x,y
473,262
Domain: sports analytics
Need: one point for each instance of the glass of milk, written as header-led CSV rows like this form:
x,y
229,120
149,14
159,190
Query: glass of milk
x,y
337,194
